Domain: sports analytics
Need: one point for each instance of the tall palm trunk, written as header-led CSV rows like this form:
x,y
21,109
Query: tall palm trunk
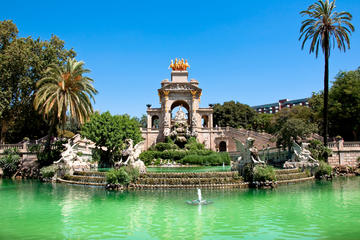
x,y
326,91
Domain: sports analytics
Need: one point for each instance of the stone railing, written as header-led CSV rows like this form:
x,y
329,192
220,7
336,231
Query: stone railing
x,y
19,147
352,144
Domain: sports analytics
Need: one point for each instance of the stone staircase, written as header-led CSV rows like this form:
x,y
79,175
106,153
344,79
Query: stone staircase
x,y
190,180
185,180
85,178
285,176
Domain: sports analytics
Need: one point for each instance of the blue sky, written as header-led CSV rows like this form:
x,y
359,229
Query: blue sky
x,y
247,51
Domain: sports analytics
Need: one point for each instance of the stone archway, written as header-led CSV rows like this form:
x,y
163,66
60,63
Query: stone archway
x,y
155,121
184,105
222,146
205,121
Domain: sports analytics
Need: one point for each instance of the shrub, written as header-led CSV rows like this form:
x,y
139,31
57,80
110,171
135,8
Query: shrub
x,y
124,175
9,163
264,173
48,172
193,144
318,150
36,148
111,176
132,172
147,156
165,146
322,170
247,172
208,159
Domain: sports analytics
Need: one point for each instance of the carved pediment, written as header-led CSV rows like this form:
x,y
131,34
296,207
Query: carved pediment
x,y
179,87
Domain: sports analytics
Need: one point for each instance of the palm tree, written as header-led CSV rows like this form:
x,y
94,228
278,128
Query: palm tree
x,y
325,28
64,90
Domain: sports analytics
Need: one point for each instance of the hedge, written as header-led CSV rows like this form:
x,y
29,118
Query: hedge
x,y
186,157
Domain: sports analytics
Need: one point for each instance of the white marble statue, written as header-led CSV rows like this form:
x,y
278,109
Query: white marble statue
x,y
249,155
71,161
301,157
133,154
180,115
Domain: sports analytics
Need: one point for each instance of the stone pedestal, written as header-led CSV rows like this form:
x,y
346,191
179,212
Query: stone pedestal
x,y
179,76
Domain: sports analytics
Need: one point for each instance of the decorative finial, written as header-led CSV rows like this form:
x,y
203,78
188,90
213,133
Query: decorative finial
x,y
179,65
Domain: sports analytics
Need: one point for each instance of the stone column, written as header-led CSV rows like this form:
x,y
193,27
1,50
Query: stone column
x,y
149,122
193,109
166,114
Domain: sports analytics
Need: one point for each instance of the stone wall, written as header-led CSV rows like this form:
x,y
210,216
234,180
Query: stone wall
x,y
344,153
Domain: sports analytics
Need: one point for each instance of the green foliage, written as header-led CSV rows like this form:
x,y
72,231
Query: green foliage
x,y
201,157
161,146
192,145
23,62
49,171
318,150
111,132
264,173
233,114
324,27
148,156
65,133
248,172
123,176
344,102
322,170
64,89
9,163
292,129
213,159
143,121
36,148
344,105
132,172
96,155
49,155
262,122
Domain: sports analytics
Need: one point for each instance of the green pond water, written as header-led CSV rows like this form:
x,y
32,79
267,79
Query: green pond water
x,y
312,210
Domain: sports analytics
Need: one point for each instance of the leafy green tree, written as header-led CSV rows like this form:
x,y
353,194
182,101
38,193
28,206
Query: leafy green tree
x,y
233,114
262,122
344,105
143,121
325,28
111,132
292,129
22,63
316,103
297,112
65,89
